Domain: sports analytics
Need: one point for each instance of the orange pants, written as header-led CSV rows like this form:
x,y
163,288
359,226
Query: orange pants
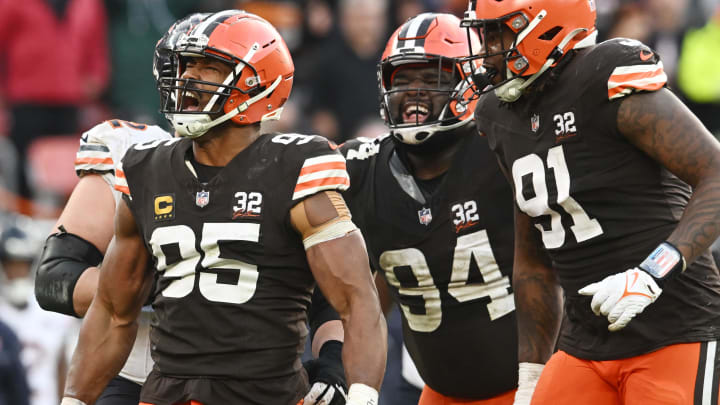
x,y
681,374
432,397
200,403
182,403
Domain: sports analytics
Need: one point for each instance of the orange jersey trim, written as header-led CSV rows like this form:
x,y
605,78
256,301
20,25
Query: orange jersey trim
x,y
321,167
327,181
123,189
632,81
94,161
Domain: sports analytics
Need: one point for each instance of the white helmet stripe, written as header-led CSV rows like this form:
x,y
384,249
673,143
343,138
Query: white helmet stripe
x,y
417,26
206,27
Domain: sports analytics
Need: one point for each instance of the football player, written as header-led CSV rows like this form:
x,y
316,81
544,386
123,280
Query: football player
x,y
237,224
440,239
616,186
67,275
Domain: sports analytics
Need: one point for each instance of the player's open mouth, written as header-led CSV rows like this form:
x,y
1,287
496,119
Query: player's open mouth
x,y
415,113
190,102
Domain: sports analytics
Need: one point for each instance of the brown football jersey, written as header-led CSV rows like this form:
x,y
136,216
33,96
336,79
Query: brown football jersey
x,y
600,204
233,283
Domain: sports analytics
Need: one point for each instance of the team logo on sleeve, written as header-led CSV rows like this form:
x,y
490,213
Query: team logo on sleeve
x,y
164,207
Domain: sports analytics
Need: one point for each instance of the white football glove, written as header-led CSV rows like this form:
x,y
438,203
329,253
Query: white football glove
x,y
323,394
621,296
528,376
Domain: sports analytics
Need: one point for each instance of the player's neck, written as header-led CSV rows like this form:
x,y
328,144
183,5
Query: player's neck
x,y
434,157
219,146
430,166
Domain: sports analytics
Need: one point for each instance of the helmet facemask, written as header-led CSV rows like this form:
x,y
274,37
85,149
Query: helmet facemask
x,y
528,45
164,62
497,32
193,120
415,113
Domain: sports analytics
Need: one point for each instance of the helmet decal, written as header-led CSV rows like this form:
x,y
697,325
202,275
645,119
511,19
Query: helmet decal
x,y
412,34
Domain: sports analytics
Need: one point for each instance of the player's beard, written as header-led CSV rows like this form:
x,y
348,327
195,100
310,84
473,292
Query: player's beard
x,y
438,143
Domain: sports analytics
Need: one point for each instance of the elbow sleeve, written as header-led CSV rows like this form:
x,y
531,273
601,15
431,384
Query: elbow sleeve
x,y
64,258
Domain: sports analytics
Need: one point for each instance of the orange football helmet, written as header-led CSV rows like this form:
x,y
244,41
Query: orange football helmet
x,y
429,40
544,30
255,90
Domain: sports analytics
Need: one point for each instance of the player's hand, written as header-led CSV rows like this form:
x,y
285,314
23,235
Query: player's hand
x,y
622,296
327,377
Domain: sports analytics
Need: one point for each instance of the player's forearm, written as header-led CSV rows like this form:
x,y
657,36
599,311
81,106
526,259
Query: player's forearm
x,y
84,291
365,347
699,226
103,347
538,304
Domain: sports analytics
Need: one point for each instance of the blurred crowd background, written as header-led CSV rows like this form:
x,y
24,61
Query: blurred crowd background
x,y
67,65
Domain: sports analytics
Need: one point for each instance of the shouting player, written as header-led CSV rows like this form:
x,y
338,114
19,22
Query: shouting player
x,y
616,189
67,275
260,286
441,239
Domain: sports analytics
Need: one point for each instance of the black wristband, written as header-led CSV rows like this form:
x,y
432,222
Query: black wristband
x,y
332,349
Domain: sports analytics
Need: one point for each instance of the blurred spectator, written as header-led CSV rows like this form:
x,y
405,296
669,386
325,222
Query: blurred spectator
x,y
135,27
699,72
629,20
344,82
43,335
54,62
407,9
285,15
13,383
319,19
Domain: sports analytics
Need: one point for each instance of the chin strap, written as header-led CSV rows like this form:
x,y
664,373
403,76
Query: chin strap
x,y
196,128
512,90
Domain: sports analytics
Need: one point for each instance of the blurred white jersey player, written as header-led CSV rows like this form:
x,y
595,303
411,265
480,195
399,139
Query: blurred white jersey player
x,y
45,337
101,148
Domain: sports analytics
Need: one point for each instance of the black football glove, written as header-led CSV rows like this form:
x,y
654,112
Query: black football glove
x,y
327,376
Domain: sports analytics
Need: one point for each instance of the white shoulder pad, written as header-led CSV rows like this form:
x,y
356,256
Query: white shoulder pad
x,y
103,146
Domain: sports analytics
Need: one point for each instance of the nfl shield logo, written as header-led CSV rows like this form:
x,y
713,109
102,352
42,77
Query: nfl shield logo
x,y
202,198
425,216
535,122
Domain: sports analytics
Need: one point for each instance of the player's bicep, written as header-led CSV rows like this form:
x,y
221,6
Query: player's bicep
x,y
335,249
125,280
665,129
340,267
89,212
